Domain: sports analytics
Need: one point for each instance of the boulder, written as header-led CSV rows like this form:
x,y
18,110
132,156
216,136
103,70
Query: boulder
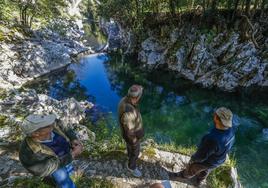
x,y
152,52
18,105
223,61
27,58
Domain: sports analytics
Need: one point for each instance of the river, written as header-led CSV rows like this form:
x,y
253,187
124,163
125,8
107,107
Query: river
x,y
173,110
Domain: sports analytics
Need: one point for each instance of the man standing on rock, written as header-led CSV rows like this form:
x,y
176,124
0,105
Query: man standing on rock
x,y
131,125
48,149
212,150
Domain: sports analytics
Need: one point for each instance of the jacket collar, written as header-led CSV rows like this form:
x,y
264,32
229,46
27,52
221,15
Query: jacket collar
x,y
38,147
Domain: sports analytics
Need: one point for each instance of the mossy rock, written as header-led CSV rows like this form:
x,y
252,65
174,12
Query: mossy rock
x,y
2,37
149,152
2,121
3,92
221,176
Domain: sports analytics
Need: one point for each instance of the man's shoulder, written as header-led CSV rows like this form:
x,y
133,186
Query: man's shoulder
x,y
24,147
129,108
23,144
210,138
125,105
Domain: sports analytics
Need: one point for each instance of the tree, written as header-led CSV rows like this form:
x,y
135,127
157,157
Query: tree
x,y
2,5
214,4
44,9
235,9
172,7
247,8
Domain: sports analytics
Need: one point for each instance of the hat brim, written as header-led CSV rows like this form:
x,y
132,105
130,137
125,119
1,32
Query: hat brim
x,y
50,119
226,124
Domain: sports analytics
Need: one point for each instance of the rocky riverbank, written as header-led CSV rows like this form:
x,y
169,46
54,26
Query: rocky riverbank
x,y
109,165
208,59
26,56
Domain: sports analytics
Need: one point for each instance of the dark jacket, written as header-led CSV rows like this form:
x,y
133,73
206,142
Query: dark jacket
x,y
214,147
39,159
130,121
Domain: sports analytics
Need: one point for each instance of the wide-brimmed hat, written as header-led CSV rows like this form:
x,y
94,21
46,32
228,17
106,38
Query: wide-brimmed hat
x,y
135,91
36,121
226,116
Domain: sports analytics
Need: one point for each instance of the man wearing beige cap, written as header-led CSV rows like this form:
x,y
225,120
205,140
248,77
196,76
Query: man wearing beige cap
x,y
212,150
48,149
131,125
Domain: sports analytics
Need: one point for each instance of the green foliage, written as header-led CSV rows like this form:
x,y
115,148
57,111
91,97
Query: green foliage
x,y
220,177
25,12
107,139
210,35
82,182
3,93
133,13
172,147
7,10
149,152
32,182
2,121
94,35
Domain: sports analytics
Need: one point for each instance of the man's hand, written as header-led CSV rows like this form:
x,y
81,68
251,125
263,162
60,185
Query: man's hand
x,y
135,140
77,148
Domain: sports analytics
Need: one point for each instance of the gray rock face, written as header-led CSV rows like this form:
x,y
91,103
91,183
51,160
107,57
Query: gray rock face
x,y
152,52
114,32
23,59
246,71
221,62
18,105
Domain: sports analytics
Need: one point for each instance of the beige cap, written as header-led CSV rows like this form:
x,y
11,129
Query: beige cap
x,y
135,91
35,121
225,116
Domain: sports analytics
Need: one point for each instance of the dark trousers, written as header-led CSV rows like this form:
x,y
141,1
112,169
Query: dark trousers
x,y
198,170
133,152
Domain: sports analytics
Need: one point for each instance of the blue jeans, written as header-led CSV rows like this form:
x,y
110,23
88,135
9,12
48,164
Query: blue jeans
x,y
62,177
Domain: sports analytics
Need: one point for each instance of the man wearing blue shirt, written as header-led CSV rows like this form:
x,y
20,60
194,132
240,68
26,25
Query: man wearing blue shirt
x,y
49,148
212,150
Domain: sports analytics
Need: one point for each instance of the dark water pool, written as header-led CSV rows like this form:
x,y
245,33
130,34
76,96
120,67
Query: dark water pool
x,y
173,110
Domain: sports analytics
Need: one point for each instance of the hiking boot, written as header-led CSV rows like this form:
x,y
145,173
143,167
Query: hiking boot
x,y
136,172
175,176
198,183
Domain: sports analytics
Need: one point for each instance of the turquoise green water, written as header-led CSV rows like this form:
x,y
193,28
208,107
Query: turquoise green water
x,y
173,110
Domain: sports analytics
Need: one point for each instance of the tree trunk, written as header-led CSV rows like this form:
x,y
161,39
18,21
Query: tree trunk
x,y
204,5
243,5
208,3
235,9
214,5
229,7
256,5
137,9
263,6
192,4
172,7
247,8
